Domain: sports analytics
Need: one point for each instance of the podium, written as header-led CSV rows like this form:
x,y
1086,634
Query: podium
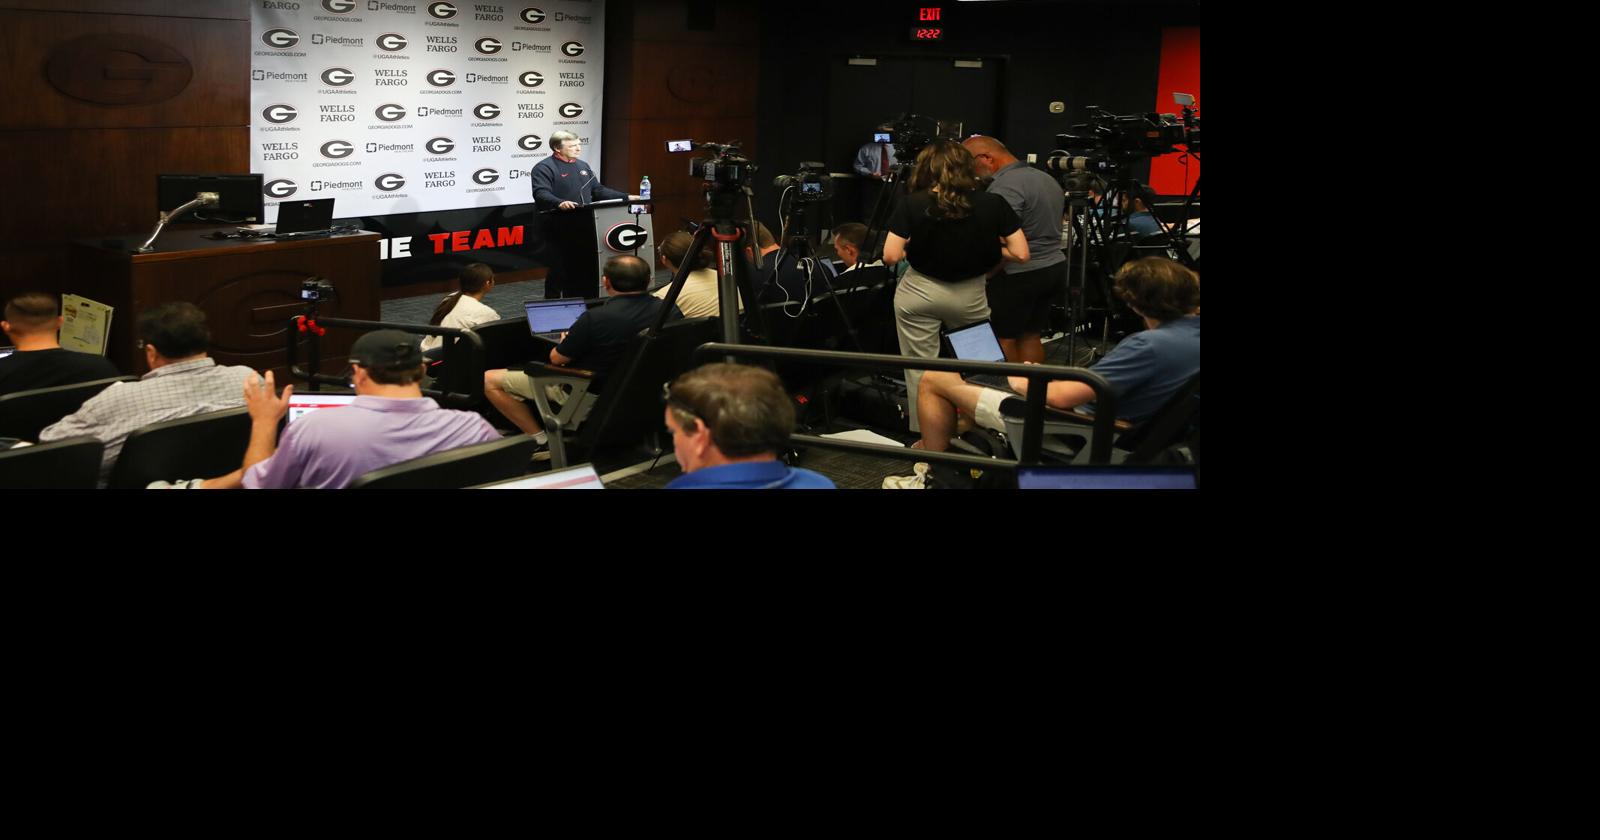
x,y
248,290
581,241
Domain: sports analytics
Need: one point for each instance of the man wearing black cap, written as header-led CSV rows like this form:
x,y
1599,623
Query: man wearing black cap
x,y
389,422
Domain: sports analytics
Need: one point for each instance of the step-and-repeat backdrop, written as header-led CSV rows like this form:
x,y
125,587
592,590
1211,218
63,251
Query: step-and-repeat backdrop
x,y
422,119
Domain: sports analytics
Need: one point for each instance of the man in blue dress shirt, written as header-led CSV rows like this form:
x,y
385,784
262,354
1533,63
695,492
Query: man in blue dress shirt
x,y
728,424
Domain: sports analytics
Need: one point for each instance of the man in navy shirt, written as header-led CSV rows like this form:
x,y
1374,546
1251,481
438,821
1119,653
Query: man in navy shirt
x,y
562,182
32,322
594,343
728,424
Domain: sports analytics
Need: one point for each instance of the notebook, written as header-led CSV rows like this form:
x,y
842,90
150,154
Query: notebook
x,y
581,477
977,343
312,216
302,404
550,318
1106,478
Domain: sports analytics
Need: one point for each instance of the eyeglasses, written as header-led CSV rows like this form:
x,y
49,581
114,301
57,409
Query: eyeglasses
x,y
667,400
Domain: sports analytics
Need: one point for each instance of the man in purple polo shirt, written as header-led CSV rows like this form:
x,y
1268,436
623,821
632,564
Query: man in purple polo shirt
x,y
388,422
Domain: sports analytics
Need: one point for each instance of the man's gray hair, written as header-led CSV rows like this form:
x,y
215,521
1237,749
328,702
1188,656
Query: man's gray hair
x,y
558,140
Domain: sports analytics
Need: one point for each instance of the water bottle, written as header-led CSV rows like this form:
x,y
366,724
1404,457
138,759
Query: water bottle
x,y
644,188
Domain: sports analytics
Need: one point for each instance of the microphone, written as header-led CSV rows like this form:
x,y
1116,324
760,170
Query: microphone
x,y
581,201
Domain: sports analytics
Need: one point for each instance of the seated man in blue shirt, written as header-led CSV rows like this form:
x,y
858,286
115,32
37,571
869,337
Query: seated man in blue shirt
x,y
1145,369
594,343
728,424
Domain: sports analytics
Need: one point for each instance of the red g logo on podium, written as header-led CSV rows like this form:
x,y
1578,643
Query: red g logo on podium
x,y
625,237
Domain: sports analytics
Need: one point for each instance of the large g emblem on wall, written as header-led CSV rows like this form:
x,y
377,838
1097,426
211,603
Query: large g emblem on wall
x,y
118,70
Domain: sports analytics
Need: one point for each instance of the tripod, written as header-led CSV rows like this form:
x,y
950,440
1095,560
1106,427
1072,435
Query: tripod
x,y
798,245
894,187
1077,212
733,270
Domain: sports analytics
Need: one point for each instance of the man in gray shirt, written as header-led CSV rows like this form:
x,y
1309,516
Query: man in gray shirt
x,y
1020,294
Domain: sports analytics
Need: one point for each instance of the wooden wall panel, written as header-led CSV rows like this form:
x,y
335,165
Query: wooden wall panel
x,y
91,183
216,9
122,71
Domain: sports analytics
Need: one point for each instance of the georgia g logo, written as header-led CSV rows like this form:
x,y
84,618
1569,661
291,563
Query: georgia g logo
x,y
336,149
337,77
626,237
339,7
280,39
487,46
388,182
389,112
486,111
439,145
532,15
485,176
572,49
532,79
442,11
530,142
441,78
278,189
570,110
391,42
279,114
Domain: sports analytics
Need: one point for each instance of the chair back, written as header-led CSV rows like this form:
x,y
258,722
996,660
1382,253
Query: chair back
x,y
202,446
465,466
1178,418
508,344
629,409
71,464
25,414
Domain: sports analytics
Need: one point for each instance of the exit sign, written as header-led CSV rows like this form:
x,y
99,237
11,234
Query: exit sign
x,y
927,14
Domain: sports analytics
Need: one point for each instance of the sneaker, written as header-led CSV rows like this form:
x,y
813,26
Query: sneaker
x,y
541,452
919,481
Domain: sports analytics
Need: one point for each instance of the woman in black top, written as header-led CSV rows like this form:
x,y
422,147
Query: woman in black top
x,y
954,236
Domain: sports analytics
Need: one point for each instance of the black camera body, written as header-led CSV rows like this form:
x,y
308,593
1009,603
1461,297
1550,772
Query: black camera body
x,y
811,183
910,133
315,288
726,171
1123,139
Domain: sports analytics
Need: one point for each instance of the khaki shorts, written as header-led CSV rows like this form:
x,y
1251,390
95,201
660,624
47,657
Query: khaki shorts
x,y
987,413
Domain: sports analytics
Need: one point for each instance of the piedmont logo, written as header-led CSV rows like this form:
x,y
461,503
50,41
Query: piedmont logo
x,y
337,76
388,182
339,7
440,145
280,39
572,49
532,15
391,42
626,237
389,112
532,78
336,149
570,110
487,46
441,78
442,11
485,176
279,114
530,142
486,111
278,189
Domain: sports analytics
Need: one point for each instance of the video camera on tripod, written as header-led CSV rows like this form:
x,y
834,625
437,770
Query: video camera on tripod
x,y
911,132
726,170
1108,142
811,183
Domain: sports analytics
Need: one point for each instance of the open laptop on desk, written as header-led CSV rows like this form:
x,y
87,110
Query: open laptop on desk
x,y
977,343
581,477
548,319
307,218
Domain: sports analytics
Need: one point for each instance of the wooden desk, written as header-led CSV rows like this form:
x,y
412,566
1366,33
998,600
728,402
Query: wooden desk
x,y
248,290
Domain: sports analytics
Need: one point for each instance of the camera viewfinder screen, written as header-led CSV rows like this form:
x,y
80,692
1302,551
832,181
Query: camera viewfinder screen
x,y
813,188
680,145
881,137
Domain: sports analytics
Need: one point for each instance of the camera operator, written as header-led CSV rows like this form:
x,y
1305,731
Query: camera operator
x,y
873,162
1020,297
953,235
563,182
848,240
1141,222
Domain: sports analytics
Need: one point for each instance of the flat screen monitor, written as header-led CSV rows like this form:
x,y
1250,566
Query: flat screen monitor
x,y
240,198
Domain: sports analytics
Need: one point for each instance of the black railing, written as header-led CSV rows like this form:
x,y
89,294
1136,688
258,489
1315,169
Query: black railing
x,y
1038,377
451,399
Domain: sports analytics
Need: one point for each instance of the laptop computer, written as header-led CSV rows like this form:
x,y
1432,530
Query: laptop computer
x,y
550,318
302,404
1107,478
6,351
581,477
298,218
977,343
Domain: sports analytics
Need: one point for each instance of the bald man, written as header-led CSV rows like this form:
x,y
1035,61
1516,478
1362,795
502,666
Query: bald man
x,y
1020,294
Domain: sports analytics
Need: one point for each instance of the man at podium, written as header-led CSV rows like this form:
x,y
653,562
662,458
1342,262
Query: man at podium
x,y
562,183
